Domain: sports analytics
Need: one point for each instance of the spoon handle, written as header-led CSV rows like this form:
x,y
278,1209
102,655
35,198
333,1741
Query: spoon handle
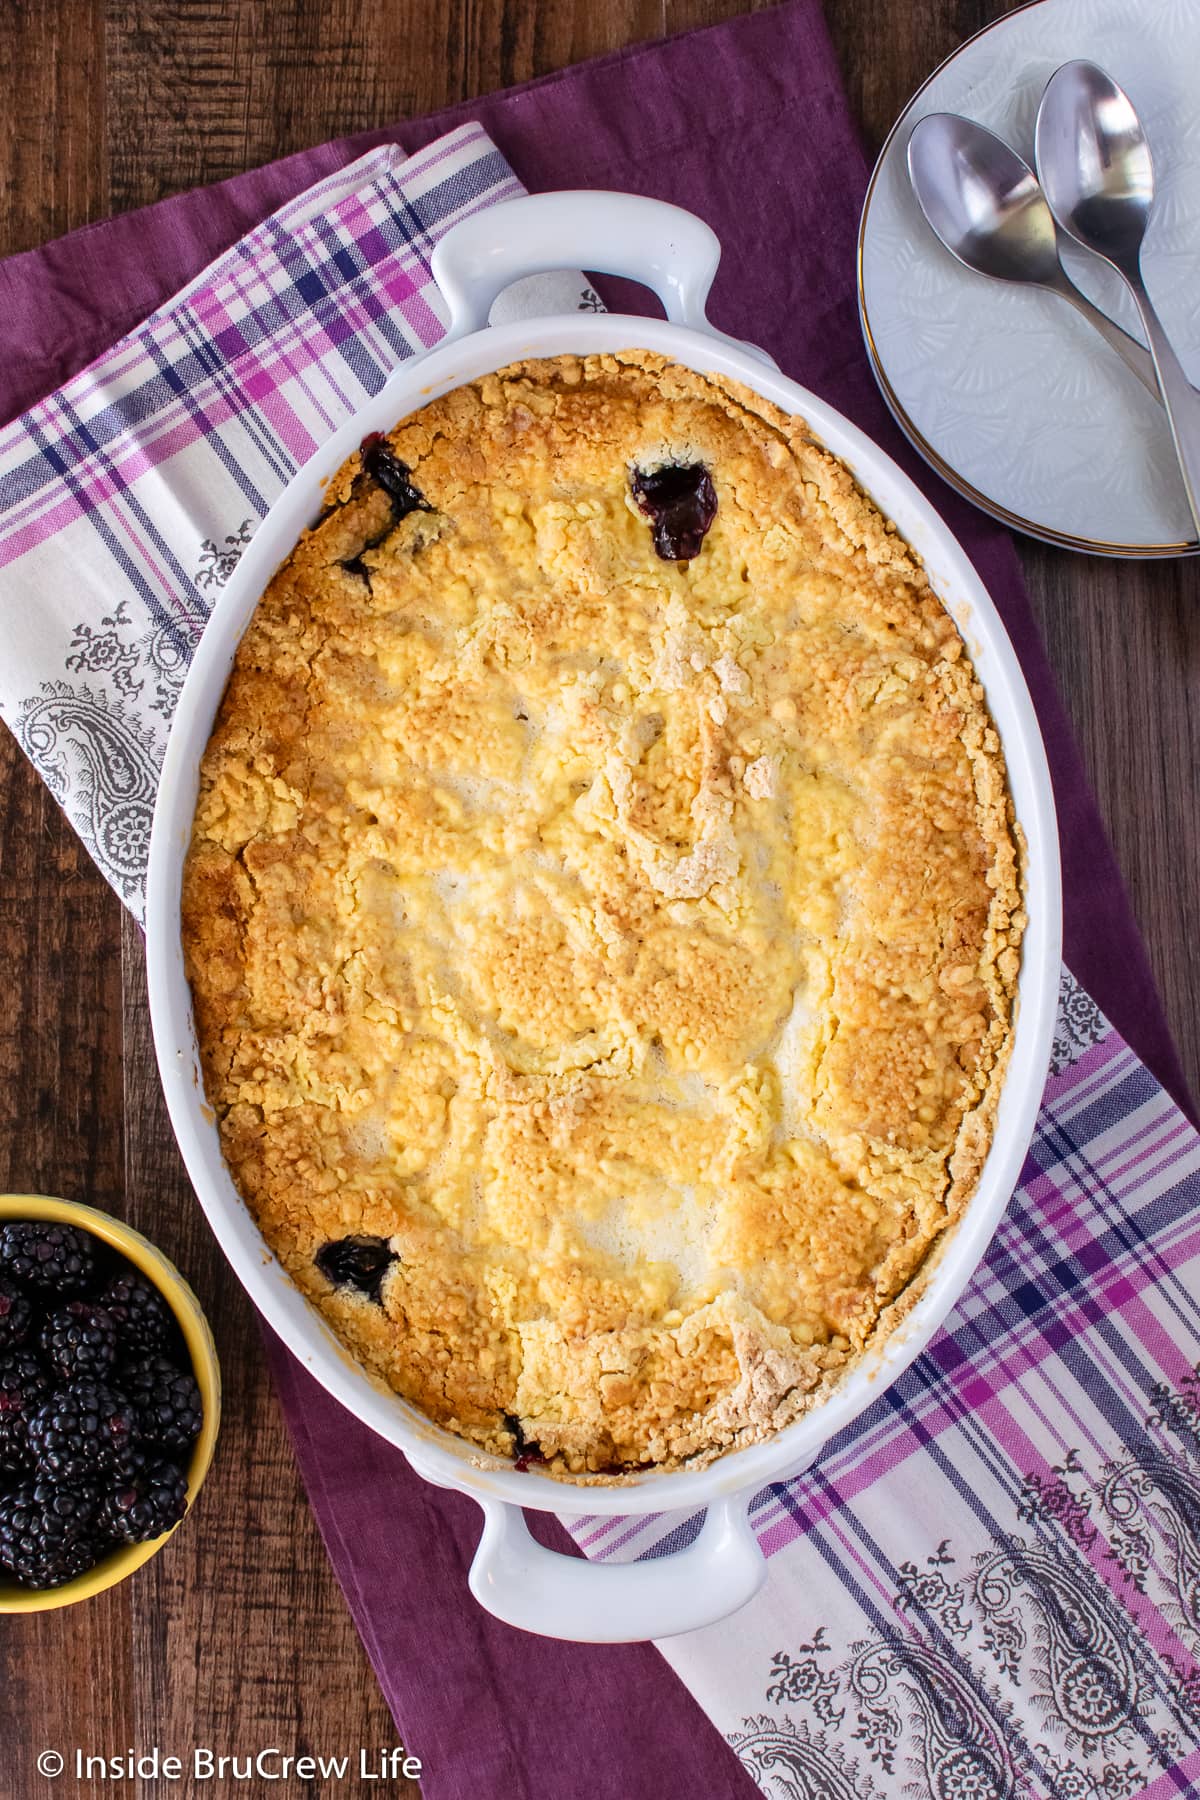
x,y
1135,356
1182,404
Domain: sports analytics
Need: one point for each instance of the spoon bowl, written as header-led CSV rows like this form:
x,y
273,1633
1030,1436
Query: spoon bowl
x,y
1098,178
982,200
1094,160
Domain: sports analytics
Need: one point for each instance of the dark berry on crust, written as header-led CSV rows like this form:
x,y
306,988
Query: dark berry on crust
x,y
16,1315
79,1341
358,1262
53,1259
46,1533
145,1505
384,468
81,1431
144,1320
166,1401
525,1449
681,503
354,565
24,1385
393,476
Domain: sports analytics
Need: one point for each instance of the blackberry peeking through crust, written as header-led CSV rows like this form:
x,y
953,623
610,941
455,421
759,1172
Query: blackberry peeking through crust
x,y
681,502
394,477
357,1262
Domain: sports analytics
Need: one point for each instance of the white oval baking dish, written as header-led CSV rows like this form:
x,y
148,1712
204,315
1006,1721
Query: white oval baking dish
x,y
513,1576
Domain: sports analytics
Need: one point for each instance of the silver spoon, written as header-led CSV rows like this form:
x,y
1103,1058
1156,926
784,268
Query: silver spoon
x,y
984,203
1098,179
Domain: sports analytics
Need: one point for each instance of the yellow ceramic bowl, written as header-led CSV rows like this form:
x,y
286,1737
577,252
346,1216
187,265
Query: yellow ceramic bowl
x,y
183,1303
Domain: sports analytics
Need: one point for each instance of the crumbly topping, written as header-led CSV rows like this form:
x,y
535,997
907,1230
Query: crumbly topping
x,y
631,944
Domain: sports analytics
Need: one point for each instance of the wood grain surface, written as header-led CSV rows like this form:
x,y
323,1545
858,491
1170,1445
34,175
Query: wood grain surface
x,y
238,1635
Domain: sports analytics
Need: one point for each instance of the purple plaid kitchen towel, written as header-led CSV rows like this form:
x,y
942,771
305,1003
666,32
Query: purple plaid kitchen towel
x,y
989,1585
491,1712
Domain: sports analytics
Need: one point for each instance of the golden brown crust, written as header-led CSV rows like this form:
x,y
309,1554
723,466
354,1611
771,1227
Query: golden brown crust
x,y
631,944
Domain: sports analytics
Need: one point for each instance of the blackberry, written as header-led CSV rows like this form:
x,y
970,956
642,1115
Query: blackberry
x,y
16,1315
24,1384
680,501
80,1341
526,1450
144,1320
358,1262
145,1505
166,1401
393,476
46,1533
51,1258
82,1430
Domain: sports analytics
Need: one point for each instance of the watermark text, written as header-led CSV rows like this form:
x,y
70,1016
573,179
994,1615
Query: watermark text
x,y
388,1763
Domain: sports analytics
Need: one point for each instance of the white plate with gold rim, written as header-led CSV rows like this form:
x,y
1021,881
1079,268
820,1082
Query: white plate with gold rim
x,y
1005,390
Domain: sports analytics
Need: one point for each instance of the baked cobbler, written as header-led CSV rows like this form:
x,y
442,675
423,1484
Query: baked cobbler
x,y
603,916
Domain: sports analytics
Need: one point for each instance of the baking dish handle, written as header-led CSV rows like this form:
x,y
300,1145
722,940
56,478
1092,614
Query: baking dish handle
x,y
670,250
539,1590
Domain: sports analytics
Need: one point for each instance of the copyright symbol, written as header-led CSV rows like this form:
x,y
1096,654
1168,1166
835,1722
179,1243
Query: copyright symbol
x,y
51,1763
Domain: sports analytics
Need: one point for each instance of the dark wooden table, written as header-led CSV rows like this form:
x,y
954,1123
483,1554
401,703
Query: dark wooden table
x,y
238,1636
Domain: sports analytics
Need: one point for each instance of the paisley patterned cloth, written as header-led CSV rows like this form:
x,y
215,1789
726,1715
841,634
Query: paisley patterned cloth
x,y
989,1587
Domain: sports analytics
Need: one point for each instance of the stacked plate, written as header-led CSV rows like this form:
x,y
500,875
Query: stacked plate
x,y
1005,390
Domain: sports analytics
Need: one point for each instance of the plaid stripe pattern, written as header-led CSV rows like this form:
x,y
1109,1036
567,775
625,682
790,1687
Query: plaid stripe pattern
x,y
990,1584
299,323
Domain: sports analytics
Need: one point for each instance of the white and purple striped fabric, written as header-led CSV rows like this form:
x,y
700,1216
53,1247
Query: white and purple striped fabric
x,y
990,1586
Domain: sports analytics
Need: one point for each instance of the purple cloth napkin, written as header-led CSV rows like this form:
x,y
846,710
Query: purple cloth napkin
x,y
747,125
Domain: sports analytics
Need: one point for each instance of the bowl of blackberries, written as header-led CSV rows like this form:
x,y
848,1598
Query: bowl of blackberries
x,y
110,1397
